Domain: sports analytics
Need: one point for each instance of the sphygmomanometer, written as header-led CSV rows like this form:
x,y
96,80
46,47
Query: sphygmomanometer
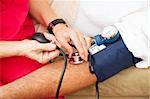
x,y
106,56
109,56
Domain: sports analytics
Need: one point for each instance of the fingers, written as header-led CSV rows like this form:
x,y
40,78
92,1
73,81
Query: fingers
x,y
49,36
52,38
84,45
64,34
47,56
76,37
46,46
41,52
88,41
54,54
76,40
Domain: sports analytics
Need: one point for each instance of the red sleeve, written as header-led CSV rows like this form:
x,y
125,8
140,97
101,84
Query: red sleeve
x,y
13,14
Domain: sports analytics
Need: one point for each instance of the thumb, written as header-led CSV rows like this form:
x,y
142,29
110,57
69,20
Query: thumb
x,y
52,38
46,46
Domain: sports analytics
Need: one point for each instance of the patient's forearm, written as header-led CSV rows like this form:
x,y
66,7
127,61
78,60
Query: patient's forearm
x,y
43,82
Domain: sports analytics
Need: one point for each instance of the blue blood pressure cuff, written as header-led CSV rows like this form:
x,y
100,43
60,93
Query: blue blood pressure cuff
x,y
111,60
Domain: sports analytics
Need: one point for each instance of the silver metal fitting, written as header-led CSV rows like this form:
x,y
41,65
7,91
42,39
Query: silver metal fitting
x,y
75,59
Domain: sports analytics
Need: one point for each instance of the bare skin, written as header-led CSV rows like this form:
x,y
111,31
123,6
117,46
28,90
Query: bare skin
x,y
29,48
43,82
44,14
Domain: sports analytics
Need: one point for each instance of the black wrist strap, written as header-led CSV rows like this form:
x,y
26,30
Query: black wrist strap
x,y
53,23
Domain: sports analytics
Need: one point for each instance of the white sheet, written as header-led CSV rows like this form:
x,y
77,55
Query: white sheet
x,y
134,31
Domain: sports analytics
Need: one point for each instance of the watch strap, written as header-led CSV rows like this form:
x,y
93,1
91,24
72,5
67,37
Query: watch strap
x,y
54,23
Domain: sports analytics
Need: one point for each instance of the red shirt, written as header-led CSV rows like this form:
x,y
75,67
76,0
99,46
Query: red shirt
x,y
15,24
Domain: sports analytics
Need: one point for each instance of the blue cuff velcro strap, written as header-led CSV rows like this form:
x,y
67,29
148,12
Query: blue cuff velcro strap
x,y
99,40
114,58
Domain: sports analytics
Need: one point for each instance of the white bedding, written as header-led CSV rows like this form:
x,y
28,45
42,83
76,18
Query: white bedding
x,y
134,31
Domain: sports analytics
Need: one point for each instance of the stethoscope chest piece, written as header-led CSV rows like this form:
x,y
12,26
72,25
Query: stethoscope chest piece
x,y
75,59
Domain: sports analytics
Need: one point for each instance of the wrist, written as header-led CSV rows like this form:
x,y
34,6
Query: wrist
x,y
59,27
56,23
21,47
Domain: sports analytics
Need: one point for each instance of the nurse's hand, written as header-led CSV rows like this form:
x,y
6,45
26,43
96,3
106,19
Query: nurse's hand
x,y
41,52
66,34
88,40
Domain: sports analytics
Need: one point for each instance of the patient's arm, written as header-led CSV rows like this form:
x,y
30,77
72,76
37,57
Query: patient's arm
x,y
43,82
